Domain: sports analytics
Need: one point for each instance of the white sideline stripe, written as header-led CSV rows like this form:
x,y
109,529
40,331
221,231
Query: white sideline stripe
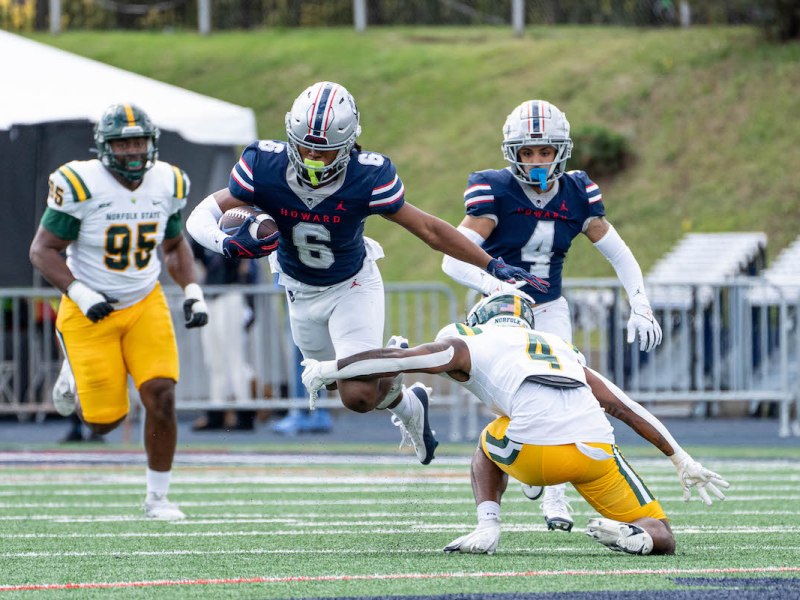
x,y
528,548
374,488
348,502
348,460
731,530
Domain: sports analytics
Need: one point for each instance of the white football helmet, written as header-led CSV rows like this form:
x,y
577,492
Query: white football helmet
x,y
536,123
502,308
323,117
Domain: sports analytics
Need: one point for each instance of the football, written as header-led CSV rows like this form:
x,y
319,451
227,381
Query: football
x,y
232,219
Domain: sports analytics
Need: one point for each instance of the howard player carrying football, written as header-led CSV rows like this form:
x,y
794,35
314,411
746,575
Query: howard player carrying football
x,y
319,186
111,214
529,213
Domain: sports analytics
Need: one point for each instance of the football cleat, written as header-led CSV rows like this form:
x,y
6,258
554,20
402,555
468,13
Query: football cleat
x,y
417,430
532,492
620,537
483,540
556,508
157,506
64,393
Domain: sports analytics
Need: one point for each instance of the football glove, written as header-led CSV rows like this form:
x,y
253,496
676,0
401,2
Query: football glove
x,y
95,305
499,269
316,375
694,475
644,323
195,311
243,245
483,540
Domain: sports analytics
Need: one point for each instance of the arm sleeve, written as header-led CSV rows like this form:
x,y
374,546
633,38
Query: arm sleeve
x,y
202,225
621,258
466,274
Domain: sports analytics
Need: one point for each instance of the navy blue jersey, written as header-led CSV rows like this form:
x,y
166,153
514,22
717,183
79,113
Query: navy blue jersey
x,y
531,237
322,229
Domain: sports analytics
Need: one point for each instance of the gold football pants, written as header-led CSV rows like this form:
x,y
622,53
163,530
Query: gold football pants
x,y
138,340
605,480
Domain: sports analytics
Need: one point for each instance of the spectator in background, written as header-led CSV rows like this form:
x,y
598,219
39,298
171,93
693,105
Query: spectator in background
x,y
529,213
224,343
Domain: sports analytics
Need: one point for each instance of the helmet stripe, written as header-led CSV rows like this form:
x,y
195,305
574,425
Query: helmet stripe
x,y
129,115
320,109
517,306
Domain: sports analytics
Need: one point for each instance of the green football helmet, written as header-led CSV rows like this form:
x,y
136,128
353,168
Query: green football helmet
x,y
502,308
120,121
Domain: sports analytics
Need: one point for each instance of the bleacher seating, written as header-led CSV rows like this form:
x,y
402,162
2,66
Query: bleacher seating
x,y
782,278
704,259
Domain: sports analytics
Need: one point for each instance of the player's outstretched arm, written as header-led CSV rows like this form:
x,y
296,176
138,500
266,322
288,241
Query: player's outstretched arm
x,y
446,355
642,322
202,223
691,473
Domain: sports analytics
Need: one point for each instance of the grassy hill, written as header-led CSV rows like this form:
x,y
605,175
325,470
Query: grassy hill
x,y
711,114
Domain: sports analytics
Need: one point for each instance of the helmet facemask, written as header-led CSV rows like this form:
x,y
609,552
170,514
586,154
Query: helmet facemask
x,y
502,309
123,121
324,117
537,123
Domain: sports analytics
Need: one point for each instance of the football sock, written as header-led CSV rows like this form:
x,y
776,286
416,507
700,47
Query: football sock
x,y
405,409
158,481
488,511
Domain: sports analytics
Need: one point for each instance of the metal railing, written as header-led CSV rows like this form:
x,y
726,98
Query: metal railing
x,y
734,342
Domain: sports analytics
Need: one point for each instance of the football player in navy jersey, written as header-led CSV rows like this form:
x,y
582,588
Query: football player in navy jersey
x,y
319,186
529,213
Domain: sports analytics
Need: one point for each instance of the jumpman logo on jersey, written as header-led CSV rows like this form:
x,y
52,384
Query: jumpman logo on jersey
x,y
564,206
340,206
354,284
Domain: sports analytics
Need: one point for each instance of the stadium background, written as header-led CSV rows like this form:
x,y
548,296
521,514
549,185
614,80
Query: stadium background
x,y
697,120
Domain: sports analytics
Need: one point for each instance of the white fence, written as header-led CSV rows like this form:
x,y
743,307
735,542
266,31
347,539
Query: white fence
x,y
734,342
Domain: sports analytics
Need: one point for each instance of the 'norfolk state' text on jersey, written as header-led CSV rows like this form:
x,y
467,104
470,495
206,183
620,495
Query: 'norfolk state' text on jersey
x,y
533,231
321,230
115,231
504,359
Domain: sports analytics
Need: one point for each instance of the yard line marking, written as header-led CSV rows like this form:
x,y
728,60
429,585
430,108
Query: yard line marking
x,y
347,502
415,526
528,548
387,577
232,517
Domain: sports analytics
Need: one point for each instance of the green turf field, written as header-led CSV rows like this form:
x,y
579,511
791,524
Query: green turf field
x,y
265,525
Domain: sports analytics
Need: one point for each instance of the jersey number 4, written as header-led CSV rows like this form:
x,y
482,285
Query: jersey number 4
x,y
539,249
118,246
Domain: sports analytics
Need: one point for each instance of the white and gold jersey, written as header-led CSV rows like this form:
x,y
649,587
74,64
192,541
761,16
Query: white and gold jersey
x,y
115,231
536,379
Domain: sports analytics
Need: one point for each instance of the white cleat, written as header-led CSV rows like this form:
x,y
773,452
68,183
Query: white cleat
x,y
157,506
417,430
64,391
556,508
483,540
619,536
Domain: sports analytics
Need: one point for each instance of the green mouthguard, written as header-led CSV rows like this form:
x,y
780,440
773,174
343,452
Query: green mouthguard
x,y
312,173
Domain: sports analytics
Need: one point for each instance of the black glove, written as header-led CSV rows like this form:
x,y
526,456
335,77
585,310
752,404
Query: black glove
x,y
195,311
95,305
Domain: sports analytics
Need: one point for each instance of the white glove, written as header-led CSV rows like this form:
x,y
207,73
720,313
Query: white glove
x,y
316,375
693,474
483,540
644,323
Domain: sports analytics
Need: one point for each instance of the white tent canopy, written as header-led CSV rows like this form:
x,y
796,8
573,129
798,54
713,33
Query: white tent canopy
x,y
43,84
